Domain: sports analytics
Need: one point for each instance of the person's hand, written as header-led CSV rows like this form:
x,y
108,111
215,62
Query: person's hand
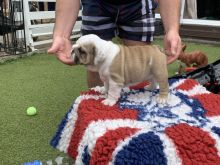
x,y
62,48
172,46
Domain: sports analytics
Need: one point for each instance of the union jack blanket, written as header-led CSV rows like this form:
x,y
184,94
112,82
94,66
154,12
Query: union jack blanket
x,y
137,131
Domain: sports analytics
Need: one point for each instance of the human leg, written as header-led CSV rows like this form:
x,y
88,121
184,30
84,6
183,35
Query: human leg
x,y
97,18
93,79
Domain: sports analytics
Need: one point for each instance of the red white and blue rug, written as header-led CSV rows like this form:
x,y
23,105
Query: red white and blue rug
x,y
137,131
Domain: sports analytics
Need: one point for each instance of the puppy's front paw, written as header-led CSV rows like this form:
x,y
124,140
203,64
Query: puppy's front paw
x,y
103,90
109,102
162,100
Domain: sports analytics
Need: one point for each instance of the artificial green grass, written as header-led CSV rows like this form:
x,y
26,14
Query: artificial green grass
x,y
42,81
45,83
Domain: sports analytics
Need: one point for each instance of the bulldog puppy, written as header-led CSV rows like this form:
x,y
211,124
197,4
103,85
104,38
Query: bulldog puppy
x,y
120,66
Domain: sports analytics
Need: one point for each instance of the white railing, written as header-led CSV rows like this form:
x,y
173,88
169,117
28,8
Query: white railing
x,y
40,29
199,22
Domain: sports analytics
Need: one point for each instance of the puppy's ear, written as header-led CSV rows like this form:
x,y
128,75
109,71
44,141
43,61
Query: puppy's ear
x,y
84,54
90,53
93,50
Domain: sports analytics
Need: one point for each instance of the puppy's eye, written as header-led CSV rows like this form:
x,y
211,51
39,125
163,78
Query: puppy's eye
x,y
81,51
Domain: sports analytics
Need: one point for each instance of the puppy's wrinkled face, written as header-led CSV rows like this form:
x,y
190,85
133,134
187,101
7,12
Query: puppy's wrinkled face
x,y
84,54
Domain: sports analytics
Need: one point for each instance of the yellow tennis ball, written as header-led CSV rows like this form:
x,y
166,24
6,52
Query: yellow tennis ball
x,y
31,111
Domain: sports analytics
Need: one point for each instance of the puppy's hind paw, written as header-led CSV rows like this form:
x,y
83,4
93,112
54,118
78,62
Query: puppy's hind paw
x,y
109,102
162,101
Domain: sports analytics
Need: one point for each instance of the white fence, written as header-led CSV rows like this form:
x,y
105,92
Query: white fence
x,y
38,29
184,21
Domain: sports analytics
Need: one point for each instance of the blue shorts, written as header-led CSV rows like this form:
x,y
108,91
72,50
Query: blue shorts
x,y
134,20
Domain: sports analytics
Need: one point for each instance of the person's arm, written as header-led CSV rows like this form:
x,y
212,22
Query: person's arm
x,y
66,16
170,14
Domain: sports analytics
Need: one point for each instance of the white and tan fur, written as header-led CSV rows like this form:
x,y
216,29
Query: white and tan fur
x,y
120,66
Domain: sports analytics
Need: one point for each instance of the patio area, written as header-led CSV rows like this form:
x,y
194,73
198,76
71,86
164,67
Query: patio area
x,y
42,81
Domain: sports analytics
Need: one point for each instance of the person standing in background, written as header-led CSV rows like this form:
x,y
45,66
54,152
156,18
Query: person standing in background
x,y
131,20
